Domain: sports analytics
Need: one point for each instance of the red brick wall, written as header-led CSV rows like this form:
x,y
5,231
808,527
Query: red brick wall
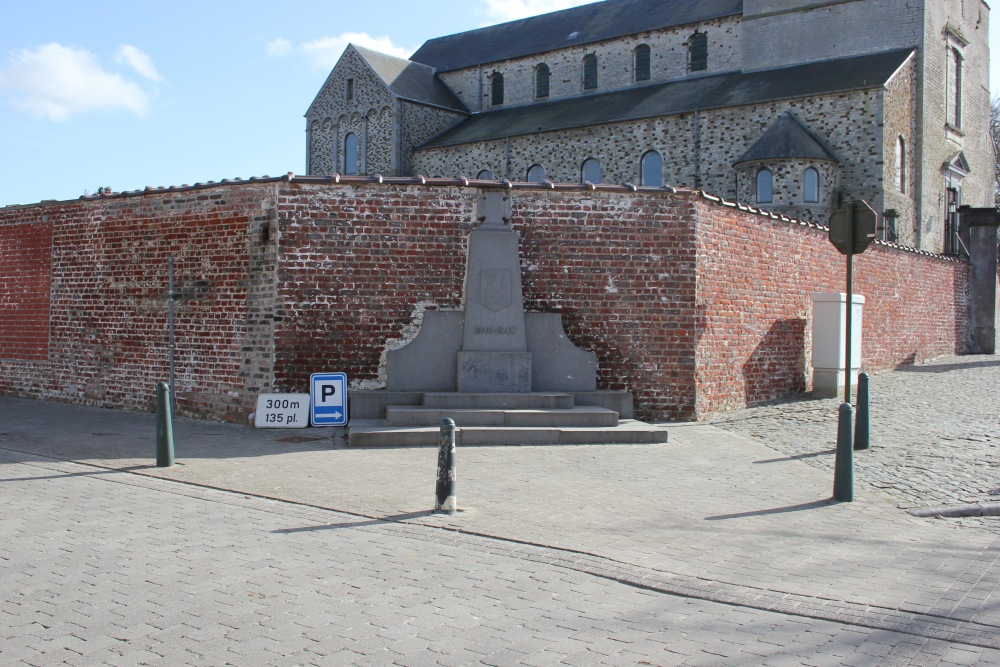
x,y
755,280
25,270
691,305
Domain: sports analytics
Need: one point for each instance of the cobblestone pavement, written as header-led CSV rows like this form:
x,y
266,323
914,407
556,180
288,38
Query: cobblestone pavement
x,y
106,568
935,434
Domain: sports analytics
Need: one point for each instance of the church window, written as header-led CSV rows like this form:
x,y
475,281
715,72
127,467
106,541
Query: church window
x,y
496,89
765,186
542,74
698,52
955,89
901,164
350,89
351,154
642,63
485,175
810,186
591,171
590,72
536,174
652,169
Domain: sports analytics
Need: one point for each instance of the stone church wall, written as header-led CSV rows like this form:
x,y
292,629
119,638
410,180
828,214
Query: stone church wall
x,y
691,304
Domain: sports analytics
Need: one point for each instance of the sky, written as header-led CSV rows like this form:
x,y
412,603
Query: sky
x,y
125,95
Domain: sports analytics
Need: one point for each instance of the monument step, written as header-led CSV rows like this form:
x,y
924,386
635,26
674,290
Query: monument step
x,y
498,401
375,433
584,416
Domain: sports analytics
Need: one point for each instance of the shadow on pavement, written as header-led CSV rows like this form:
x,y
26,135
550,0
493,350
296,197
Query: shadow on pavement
x,y
816,504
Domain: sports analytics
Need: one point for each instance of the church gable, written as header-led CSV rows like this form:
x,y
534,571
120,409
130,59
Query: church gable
x,y
353,85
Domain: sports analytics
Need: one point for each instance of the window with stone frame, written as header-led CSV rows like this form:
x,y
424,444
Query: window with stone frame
x,y
542,75
651,169
351,153
810,186
642,65
764,186
955,88
590,72
496,89
901,164
698,52
590,172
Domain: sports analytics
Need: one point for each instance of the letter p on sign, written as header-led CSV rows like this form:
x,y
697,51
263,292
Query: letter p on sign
x,y
328,394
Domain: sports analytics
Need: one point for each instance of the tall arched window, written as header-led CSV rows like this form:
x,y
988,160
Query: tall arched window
x,y
590,72
810,186
536,174
901,164
642,63
591,171
542,74
351,154
652,169
698,52
765,186
955,89
496,89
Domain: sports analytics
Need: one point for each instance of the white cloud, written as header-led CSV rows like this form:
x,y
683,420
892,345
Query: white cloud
x,y
511,10
278,47
324,53
139,61
57,82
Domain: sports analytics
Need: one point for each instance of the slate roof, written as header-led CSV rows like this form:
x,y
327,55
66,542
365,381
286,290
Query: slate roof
x,y
410,81
676,97
589,23
787,138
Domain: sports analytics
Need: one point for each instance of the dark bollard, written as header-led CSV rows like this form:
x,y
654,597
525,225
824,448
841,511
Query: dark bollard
x,y
446,481
164,427
843,470
861,423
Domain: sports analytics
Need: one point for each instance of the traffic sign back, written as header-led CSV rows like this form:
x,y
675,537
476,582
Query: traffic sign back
x,y
852,227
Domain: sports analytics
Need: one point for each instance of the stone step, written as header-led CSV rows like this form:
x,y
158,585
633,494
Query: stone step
x,y
499,401
583,416
375,433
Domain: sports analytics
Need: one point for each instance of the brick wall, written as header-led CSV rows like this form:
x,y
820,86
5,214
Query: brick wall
x,y
692,305
25,269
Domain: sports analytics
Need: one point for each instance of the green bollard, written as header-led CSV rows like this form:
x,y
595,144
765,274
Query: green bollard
x,y
164,427
445,500
843,469
862,430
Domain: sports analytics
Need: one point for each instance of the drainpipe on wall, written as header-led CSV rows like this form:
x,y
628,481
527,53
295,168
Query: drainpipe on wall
x,y
697,150
506,166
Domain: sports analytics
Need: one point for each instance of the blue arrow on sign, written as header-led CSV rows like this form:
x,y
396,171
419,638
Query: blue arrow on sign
x,y
328,397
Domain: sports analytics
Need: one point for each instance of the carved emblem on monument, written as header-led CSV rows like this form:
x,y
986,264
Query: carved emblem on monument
x,y
494,289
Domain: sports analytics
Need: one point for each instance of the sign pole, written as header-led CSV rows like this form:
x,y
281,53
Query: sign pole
x,y
850,302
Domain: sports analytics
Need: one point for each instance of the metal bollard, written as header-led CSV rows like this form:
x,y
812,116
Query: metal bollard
x,y
445,500
164,427
862,430
843,469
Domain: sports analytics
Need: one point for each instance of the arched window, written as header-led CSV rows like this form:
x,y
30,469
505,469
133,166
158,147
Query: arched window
x,y
590,72
955,89
351,154
485,175
765,186
642,63
652,169
810,186
901,164
496,89
591,171
698,52
536,174
542,74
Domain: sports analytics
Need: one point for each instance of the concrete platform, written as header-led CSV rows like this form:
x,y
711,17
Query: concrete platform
x,y
376,433
584,416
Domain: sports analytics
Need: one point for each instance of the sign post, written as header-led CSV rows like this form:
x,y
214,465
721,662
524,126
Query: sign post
x,y
328,392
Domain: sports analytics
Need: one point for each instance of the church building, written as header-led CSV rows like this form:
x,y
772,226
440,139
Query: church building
x,y
791,106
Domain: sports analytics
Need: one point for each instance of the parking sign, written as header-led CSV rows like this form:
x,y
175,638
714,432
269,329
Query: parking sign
x,y
328,392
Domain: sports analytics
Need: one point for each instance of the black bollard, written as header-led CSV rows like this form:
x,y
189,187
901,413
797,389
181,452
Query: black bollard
x,y
843,469
164,427
862,431
445,500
